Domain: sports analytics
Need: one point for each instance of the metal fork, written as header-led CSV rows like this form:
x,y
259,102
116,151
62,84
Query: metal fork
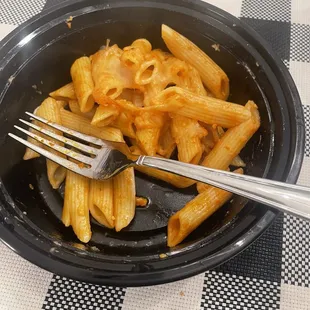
x,y
104,159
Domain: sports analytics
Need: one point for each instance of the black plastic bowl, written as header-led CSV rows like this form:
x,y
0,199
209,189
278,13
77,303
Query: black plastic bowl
x,y
41,52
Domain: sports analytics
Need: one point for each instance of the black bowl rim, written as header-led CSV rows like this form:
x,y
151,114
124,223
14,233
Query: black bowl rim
x,y
49,263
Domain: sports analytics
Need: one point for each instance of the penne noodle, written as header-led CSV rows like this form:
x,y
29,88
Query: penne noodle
x,y
164,104
62,103
170,178
143,45
29,153
83,125
83,83
124,198
124,122
208,143
166,143
237,161
148,140
50,110
110,74
104,115
176,72
231,143
194,83
187,134
161,55
195,212
148,131
75,108
213,77
132,58
101,202
65,92
202,108
75,210
108,85
147,72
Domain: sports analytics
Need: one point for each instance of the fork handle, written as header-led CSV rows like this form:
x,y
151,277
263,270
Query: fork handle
x,y
289,198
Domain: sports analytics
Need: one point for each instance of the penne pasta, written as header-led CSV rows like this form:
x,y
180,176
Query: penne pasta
x,y
50,110
75,108
124,122
147,72
29,153
203,108
75,210
83,125
143,45
195,212
187,134
101,202
124,198
132,58
83,83
194,82
110,74
170,178
148,131
237,161
214,78
167,105
166,143
65,93
148,140
104,115
231,143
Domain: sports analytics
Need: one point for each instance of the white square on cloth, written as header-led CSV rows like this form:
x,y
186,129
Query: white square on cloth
x,y
300,12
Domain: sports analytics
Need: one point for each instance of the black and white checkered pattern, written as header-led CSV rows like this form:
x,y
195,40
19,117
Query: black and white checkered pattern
x,y
16,12
272,273
296,251
300,42
279,10
307,121
65,293
225,291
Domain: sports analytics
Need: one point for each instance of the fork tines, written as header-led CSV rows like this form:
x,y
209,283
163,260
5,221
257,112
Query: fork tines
x,y
85,161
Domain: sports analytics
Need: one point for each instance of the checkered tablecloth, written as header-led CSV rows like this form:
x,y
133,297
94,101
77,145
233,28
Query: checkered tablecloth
x,y
273,273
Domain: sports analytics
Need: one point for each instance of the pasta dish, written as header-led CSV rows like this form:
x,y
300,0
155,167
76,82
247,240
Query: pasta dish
x,y
165,104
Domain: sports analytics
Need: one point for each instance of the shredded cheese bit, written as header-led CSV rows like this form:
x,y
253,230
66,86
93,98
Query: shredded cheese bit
x,y
216,47
31,186
163,255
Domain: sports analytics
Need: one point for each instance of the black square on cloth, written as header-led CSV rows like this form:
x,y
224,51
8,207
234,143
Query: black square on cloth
x,y
276,33
300,42
262,260
222,291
